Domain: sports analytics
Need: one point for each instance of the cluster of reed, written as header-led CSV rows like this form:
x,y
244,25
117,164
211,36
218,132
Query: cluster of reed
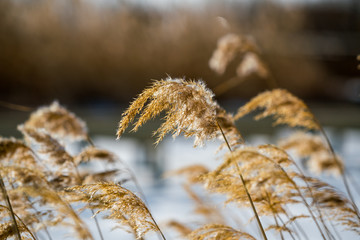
x,y
43,184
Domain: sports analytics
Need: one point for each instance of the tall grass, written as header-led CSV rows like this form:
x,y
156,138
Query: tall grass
x,y
43,184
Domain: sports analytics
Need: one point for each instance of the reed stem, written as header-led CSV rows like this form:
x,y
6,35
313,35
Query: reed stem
x,y
11,211
246,190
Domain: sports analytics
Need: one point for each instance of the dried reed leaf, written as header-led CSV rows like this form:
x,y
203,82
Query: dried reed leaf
x,y
122,205
219,232
189,109
58,122
283,106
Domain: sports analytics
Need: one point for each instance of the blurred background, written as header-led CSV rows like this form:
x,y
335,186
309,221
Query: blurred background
x,y
95,56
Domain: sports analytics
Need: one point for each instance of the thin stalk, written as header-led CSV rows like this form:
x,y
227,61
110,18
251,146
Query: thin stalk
x,y
283,223
97,225
132,175
157,226
246,190
268,200
92,211
11,211
342,170
16,107
329,234
289,215
21,221
37,216
302,198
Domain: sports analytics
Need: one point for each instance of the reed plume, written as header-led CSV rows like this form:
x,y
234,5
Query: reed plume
x,y
228,48
189,109
15,151
122,205
284,107
58,122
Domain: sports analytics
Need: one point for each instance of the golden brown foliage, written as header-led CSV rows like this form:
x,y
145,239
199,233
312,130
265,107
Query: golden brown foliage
x,y
283,106
189,109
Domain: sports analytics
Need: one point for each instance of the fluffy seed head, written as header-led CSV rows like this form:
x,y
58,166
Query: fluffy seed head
x,y
189,109
283,106
58,122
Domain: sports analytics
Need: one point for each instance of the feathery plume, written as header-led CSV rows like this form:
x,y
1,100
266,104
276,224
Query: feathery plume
x,y
189,106
16,151
47,145
123,205
58,122
283,106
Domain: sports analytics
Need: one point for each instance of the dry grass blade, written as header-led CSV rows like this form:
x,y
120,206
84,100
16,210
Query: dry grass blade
x,y
283,106
122,205
188,105
219,232
58,122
